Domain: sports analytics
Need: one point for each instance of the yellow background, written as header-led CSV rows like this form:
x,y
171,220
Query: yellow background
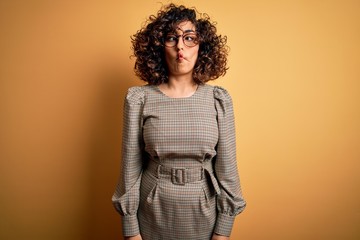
x,y
294,77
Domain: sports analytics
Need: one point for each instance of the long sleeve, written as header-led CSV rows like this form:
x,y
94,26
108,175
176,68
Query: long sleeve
x,y
127,193
230,201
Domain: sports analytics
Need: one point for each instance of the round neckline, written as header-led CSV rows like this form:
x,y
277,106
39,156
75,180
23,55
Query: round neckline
x,y
178,98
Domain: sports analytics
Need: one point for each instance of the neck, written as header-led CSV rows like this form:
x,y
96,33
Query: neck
x,y
179,87
181,82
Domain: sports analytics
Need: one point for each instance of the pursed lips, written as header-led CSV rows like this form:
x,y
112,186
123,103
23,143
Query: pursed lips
x,y
180,57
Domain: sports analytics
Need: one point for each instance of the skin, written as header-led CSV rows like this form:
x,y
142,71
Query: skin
x,y
180,61
214,237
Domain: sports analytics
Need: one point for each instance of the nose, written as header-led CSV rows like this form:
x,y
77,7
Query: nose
x,y
180,43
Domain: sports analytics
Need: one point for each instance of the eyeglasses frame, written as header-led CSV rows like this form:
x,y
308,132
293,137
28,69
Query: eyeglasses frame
x,y
182,36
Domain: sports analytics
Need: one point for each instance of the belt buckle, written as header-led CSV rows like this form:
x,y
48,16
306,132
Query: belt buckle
x,y
179,176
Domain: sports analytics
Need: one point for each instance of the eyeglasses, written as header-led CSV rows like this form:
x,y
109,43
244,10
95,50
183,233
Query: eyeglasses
x,y
189,39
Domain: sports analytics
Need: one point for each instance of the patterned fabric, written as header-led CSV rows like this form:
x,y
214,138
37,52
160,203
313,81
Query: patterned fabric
x,y
186,133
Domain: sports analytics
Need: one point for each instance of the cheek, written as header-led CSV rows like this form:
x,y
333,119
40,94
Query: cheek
x,y
170,51
166,53
195,53
168,56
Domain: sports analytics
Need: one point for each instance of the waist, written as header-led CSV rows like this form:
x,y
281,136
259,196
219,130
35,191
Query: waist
x,y
180,175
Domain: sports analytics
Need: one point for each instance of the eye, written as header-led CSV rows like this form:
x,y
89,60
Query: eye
x,y
170,38
190,38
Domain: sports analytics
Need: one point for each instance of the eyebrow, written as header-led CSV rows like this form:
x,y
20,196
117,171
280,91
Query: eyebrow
x,y
185,31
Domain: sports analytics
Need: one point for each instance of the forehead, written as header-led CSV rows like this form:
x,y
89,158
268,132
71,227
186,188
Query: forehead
x,y
184,27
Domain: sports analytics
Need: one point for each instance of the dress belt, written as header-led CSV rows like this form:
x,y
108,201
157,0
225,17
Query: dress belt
x,y
182,175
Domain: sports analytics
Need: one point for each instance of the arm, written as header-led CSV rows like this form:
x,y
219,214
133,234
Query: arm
x,y
137,237
126,196
219,237
230,201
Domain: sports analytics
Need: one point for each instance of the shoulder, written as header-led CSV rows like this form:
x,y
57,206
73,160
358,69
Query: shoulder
x,y
135,95
221,94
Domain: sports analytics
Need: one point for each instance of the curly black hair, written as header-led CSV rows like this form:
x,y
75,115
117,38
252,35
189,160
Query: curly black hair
x,y
149,49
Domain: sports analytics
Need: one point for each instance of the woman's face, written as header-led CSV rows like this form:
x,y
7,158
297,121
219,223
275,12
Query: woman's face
x,y
181,58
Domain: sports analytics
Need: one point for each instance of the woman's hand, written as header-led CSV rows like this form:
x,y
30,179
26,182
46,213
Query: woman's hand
x,y
219,237
137,237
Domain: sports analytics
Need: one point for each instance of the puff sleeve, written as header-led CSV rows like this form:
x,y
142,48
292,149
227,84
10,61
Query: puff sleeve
x,y
127,193
230,201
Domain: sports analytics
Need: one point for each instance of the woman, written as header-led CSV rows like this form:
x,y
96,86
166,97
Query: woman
x,y
179,176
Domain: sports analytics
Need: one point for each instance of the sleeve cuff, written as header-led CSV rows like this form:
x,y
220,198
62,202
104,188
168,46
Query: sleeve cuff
x,y
224,224
130,225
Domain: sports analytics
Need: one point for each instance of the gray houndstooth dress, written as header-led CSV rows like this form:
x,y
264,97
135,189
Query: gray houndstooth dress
x,y
179,176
